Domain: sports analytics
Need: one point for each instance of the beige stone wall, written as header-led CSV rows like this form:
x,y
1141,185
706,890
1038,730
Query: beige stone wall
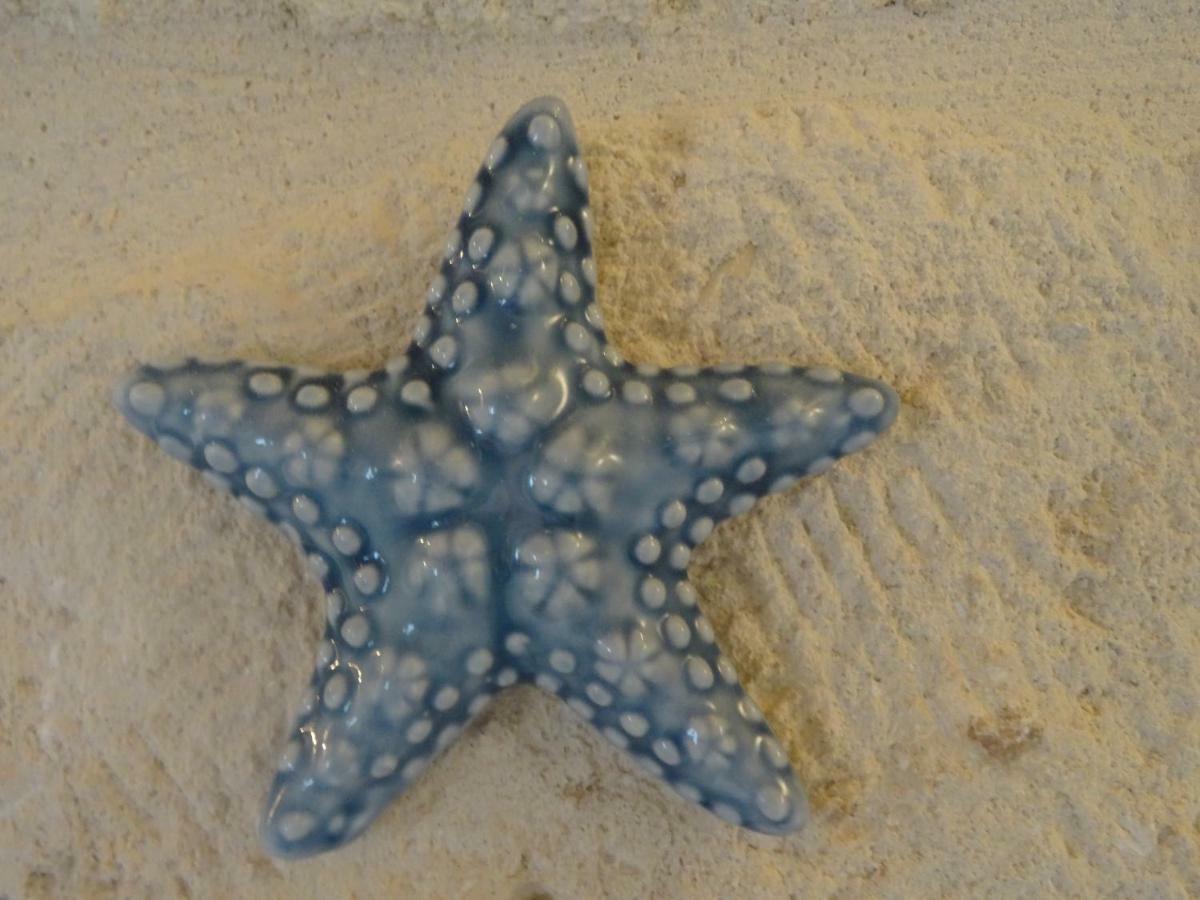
x,y
979,640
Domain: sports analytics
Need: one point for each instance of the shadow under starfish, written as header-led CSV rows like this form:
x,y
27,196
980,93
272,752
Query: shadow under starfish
x,y
510,501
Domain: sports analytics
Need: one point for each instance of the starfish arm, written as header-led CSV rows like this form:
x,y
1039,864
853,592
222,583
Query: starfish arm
x,y
257,431
601,614
374,491
616,632
739,432
401,672
522,246
511,324
283,439
673,453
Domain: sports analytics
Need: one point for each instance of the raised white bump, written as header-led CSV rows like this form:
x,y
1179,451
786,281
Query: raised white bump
x,y
361,399
147,398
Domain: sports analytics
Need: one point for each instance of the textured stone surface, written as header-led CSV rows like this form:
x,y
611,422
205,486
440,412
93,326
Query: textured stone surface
x,y
978,642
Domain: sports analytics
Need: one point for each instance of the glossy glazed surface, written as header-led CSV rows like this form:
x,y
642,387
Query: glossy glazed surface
x,y
510,501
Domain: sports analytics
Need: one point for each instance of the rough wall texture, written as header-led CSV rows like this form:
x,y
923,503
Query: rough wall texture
x,y
979,641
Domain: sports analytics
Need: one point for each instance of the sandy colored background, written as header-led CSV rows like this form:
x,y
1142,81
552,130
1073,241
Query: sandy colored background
x,y
979,641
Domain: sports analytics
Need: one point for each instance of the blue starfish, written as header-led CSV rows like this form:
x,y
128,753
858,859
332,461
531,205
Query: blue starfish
x,y
510,501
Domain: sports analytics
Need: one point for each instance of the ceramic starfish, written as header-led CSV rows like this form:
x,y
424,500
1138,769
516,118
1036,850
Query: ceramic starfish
x,y
510,501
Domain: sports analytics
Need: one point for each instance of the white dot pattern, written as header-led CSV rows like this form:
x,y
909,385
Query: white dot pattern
x,y
569,289
480,244
444,352
480,661
346,539
312,396
636,392
653,593
260,482
710,490
596,383
418,731
362,399
565,233
367,579
384,765
516,643
741,503
700,530
666,751
736,389
751,470
674,514
544,132
147,398
356,631
866,402
305,509
647,549
577,337
680,394
265,384
676,631
415,393
465,298
220,457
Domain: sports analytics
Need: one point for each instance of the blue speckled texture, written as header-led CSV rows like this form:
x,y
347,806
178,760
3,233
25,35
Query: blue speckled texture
x,y
510,501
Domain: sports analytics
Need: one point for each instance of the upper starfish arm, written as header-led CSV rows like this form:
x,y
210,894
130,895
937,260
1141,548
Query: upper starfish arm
x,y
523,240
511,328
